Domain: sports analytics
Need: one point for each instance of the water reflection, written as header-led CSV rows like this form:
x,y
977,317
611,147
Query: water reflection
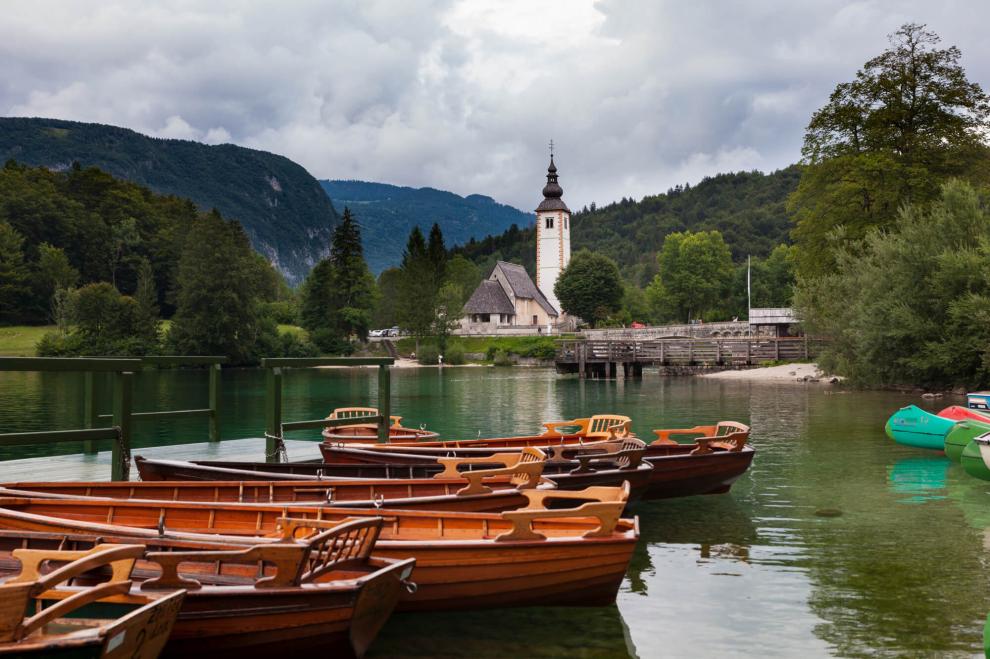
x,y
920,478
836,542
536,632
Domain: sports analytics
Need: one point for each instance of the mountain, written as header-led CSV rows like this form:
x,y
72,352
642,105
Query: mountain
x,y
282,208
748,208
387,213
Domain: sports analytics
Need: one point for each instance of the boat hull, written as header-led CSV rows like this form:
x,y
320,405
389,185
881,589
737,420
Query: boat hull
x,y
677,472
962,434
564,477
459,565
972,461
913,426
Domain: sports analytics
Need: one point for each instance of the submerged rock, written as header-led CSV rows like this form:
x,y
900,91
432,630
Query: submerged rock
x,y
828,512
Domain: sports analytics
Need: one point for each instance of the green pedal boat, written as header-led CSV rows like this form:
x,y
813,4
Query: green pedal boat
x,y
962,434
913,426
972,462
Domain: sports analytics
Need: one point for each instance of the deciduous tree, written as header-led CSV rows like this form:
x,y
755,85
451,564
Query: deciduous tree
x,y
590,287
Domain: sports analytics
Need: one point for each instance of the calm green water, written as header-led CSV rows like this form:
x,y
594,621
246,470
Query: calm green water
x,y
895,566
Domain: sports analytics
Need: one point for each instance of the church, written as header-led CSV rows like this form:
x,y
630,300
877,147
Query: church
x,y
508,300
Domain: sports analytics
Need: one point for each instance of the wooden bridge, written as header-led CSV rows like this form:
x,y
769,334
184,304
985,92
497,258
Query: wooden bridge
x,y
601,359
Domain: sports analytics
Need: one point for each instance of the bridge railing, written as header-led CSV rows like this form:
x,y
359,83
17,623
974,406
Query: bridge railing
x,y
123,415
748,351
275,428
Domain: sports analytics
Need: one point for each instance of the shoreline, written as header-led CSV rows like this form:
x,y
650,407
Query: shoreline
x,y
805,373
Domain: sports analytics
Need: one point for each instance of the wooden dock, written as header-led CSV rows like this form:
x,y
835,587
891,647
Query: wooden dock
x,y
96,466
602,359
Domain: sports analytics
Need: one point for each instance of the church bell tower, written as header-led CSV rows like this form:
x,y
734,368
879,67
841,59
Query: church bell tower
x,y
553,235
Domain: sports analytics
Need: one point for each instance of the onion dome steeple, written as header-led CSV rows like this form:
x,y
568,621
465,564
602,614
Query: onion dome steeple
x,y
552,192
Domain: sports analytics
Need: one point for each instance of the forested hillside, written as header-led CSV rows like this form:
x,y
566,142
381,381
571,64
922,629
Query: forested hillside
x,y
387,213
284,211
747,208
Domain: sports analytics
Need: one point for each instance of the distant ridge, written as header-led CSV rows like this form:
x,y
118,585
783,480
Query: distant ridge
x,y
283,209
387,213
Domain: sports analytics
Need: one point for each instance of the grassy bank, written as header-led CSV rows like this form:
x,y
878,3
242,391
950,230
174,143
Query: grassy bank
x,y
19,340
538,347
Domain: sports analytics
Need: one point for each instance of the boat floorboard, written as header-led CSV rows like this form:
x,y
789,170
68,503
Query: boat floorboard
x,y
96,466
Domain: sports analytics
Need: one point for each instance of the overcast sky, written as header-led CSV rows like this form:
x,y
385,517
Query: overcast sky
x,y
638,95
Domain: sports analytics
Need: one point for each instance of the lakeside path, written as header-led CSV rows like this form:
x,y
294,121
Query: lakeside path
x,y
402,362
785,373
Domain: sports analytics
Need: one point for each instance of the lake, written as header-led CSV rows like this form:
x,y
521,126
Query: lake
x,y
837,542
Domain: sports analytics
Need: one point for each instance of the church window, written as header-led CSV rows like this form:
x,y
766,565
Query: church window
x,y
549,222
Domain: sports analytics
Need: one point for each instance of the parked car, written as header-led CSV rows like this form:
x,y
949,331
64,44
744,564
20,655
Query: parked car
x,y
380,332
392,331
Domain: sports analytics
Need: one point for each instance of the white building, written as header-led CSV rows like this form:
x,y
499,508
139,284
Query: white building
x,y
553,236
508,300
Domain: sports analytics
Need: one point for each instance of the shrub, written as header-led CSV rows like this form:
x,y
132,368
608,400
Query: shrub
x,y
428,354
330,343
454,355
543,350
285,312
502,358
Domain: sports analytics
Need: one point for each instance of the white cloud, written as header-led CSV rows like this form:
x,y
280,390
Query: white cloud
x,y
638,94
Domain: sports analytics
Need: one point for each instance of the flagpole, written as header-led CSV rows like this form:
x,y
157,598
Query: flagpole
x,y
749,287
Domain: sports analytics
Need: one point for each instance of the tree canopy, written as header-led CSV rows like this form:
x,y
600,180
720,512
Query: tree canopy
x,y
590,287
907,123
695,276
909,305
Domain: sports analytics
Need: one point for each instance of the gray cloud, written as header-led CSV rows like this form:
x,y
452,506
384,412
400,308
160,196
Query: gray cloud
x,y
639,95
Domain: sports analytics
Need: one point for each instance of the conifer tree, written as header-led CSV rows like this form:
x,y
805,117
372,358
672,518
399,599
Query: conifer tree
x,y
218,311
437,253
417,289
13,271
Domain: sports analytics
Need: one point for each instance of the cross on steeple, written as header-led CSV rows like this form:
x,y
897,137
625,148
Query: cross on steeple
x,y
551,149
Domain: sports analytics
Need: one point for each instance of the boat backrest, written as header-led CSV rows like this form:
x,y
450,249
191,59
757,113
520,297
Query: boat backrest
x,y
357,412
599,426
624,454
728,432
18,593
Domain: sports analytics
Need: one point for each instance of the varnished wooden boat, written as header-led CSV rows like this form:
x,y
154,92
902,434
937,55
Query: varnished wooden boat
x,y
716,457
47,615
465,494
566,475
368,432
589,429
530,556
326,593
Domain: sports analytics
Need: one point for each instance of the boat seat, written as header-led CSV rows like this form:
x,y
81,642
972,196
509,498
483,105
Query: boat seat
x,y
357,412
524,469
603,502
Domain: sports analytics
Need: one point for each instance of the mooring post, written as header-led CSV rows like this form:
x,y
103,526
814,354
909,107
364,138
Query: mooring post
x,y
581,359
123,399
273,413
384,401
776,348
214,402
89,409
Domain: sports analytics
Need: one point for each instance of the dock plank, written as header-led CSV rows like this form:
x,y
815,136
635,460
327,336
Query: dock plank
x,y
96,467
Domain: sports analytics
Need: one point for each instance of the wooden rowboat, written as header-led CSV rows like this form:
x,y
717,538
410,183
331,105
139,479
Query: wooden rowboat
x,y
717,456
530,556
327,593
467,493
566,475
46,615
365,432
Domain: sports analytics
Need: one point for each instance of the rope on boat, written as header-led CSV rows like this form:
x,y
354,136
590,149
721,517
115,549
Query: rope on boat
x,y
279,453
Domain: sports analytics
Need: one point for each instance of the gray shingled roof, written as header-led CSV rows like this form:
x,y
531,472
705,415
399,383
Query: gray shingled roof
x,y
522,286
552,205
489,298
